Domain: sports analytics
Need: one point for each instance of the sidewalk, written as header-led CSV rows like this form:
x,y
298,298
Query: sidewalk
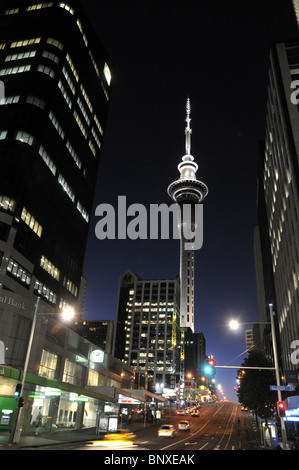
x,y
64,436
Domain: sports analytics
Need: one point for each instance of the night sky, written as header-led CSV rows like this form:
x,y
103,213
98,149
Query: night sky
x,y
216,53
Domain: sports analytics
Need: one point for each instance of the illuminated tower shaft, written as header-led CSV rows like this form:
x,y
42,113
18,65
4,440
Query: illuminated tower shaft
x,y
187,190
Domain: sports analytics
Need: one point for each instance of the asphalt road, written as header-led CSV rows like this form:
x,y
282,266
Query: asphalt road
x,y
220,426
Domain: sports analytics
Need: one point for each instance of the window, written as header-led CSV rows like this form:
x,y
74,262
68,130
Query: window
x,y
68,58
56,124
31,222
45,291
10,100
69,81
82,211
25,42
55,43
46,70
66,187
47,160
86,98
13,70
21,55
66,7
36,101
12,11
48,365
72,373
25,137
65,95
3,135
70,286
7,204
38,6
83,110
73,154
50,268
19,272
79,122
51,56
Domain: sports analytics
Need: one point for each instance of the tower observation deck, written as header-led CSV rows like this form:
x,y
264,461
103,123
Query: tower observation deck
x,y
187,190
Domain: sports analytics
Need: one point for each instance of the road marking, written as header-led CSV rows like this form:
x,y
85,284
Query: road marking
x,y
207,422
203,446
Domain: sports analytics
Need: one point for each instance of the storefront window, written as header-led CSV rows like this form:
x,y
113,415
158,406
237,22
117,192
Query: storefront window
x,y
48,365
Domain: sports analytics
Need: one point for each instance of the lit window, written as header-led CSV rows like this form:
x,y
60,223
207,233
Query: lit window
x,y
82,211
73,154
21,55
25,137
107,74
68,79
3,135
10,100
51,56
66,187
46,70
19,272
68,58
31,222
98,124
12,70
65,95
38,6
12,12
79,122
25,42
47,160
56,124
55,43
70,286
7,204
86,98
66,7
49,268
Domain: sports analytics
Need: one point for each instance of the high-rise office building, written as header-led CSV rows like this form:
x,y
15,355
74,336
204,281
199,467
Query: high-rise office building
x,y
187,191
278,206
99,332
57,79
147,335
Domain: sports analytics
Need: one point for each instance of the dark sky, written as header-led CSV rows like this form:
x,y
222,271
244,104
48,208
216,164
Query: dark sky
x,y
217,53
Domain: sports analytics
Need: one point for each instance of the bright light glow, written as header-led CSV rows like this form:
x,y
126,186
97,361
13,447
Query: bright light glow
x,y
234,324
68,314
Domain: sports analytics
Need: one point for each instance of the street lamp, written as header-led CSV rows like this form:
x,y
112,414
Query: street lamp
x,y
234,324
67,315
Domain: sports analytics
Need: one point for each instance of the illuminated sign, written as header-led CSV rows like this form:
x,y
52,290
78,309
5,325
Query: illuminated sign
x,y
107,73
97,355
80,358
129,400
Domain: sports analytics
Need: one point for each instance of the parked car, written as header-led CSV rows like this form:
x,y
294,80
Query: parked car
x,y
166,430
184,426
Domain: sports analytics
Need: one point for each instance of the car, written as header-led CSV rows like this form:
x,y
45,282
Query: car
x,y
195,414
243,408
120,435
166,430
184,426
180,412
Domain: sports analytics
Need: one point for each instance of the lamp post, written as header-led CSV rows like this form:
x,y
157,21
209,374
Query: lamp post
x,y
234,325
14,436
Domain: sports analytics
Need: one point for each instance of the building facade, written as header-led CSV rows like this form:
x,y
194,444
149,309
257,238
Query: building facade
x,y
147,333
57,79
99,332
279,198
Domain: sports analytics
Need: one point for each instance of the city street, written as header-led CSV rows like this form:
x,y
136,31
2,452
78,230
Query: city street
x,y
220,426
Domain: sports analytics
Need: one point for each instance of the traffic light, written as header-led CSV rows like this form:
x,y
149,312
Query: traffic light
x,y
281,409
21,402
209,367
18,390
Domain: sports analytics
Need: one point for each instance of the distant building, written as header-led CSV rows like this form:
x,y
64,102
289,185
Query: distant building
x,y
99,332
147,334
252,339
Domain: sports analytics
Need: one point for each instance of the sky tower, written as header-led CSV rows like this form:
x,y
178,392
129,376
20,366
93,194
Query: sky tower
x,y
187,190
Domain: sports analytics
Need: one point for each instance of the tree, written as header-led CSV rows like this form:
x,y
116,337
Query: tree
x,y
254,391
